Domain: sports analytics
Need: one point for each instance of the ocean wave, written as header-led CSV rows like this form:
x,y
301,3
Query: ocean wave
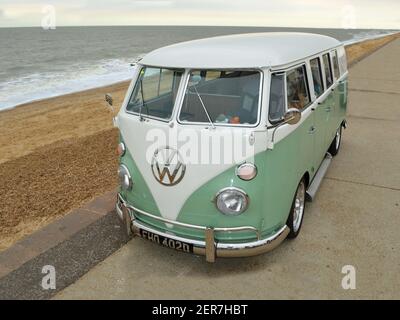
x,y
68,79
58,77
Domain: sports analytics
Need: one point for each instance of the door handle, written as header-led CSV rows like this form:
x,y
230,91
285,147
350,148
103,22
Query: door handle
x,y
328,109
311,130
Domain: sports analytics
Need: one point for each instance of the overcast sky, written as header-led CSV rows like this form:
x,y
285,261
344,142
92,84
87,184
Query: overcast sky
x,y
383,14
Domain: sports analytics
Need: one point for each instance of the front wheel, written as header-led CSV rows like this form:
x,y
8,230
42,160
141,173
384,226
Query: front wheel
x,y
335,145
296,214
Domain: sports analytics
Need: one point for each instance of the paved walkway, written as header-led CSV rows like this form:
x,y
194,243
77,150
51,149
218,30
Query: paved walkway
x,y
353,221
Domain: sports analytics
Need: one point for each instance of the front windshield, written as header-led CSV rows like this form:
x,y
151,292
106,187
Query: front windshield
x,y
224,97
155,92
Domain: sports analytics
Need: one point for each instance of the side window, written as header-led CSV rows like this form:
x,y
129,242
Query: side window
x,y
315,65
166,82
157,82
277,97
297,89
335,65
342,60
328,70
155,92
212,75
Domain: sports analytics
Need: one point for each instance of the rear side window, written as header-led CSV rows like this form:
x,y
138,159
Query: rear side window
x,y
277,97
335,65
342,60
328,70
315,65
297,88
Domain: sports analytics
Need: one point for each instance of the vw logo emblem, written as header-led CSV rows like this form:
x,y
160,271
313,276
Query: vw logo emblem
x,y
167,166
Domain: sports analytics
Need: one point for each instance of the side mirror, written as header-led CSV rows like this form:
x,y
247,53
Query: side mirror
x,y
109,99
292,116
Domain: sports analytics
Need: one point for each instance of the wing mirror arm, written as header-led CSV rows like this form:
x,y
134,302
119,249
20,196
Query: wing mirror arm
x,y
292,116
109,103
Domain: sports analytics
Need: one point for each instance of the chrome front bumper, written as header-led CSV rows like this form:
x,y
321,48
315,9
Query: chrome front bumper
x,y
210,247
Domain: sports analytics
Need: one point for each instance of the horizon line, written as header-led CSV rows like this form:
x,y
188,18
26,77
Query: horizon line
x,y
178,25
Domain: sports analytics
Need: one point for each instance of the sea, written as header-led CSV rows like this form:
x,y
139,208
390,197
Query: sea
x,y
37,64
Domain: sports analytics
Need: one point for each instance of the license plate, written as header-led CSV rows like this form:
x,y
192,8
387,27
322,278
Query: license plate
x,y
166,242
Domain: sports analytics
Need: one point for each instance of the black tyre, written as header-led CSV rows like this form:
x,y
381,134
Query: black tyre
x,y
335,145
296,215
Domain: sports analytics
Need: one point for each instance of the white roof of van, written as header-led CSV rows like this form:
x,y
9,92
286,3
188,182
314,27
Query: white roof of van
x,y
252,50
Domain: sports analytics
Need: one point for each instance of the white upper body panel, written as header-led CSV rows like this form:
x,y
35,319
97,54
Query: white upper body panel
x,y
252,50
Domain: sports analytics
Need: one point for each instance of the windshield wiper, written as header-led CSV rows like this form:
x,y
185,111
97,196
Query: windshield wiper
x,y
204,107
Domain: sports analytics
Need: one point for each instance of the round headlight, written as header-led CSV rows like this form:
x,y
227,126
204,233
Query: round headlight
x,y
232,201
125,179
121,149
246,171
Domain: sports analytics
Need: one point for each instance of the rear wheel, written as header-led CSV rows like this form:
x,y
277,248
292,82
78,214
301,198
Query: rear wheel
x,y
335,145
296,214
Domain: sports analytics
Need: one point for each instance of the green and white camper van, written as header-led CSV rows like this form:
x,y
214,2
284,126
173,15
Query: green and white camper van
x,y
282,96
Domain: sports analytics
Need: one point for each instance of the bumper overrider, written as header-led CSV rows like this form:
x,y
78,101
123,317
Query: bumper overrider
x,y
211,248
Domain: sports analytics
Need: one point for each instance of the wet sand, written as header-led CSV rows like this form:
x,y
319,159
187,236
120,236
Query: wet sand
x,y
58,153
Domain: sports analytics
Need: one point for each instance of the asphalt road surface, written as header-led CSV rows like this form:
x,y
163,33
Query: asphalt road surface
x,y
353,221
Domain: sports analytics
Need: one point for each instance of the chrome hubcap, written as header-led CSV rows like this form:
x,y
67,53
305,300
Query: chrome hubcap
x,y
298,209
337,139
